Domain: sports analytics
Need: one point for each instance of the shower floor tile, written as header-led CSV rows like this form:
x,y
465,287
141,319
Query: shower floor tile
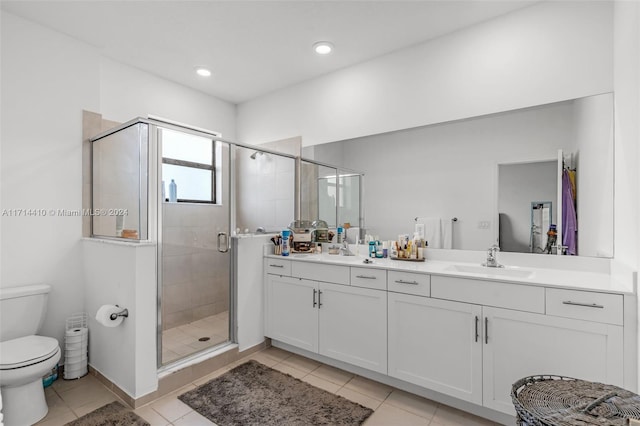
x,y
184,340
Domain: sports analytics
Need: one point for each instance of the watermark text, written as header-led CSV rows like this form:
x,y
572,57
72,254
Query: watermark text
x,y
63,212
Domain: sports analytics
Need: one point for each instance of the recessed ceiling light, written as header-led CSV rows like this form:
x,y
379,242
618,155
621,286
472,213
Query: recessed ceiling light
x,y
323,47
203,72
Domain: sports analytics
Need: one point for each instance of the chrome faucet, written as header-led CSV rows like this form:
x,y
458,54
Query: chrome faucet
x,y
492,257
345,250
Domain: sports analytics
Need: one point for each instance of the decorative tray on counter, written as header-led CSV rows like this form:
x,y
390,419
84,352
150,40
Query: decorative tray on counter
x,y
407,259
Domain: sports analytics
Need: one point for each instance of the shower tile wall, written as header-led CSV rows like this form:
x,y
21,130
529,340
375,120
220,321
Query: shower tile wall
x,y
195,275
92,124
309,194
265,191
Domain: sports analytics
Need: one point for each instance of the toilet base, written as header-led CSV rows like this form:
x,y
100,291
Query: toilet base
x,y
23,405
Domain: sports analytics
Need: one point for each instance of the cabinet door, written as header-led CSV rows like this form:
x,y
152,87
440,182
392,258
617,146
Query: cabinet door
x,y
353,325
436,344
290,312
521,344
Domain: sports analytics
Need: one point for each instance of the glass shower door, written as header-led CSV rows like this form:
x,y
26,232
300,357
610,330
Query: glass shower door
x,y
195,267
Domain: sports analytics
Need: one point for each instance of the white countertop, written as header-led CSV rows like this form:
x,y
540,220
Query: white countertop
x,y
562,278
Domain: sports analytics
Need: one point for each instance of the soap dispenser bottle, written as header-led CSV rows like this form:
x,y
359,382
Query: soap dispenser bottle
x,y
372,249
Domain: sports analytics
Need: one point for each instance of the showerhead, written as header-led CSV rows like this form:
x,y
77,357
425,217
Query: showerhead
x,y
255,154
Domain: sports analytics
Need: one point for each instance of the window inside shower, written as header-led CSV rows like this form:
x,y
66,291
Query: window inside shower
x,y
189,162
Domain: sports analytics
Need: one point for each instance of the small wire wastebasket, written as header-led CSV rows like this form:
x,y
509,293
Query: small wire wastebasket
x,y
549,400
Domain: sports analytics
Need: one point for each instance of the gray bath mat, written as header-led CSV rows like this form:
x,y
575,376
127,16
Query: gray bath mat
x,y
113,414
253,394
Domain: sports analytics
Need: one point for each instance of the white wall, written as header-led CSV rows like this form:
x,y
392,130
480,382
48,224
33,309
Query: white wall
x,y
248,250
626,59
123,274
126,93
545,53
47,80
627,131
594,177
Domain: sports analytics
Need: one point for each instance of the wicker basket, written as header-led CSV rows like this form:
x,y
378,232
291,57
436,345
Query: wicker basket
x,y
563,401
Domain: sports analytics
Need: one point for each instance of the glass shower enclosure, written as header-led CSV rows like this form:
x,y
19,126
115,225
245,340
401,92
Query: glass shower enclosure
x,y
183,189
170,184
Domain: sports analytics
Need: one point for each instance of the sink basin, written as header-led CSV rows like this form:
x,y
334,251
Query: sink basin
x,y
483,270
341,258
303,255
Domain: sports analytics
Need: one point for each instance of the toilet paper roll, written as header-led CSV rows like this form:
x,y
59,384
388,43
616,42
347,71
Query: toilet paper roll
x,y
76,332
104,315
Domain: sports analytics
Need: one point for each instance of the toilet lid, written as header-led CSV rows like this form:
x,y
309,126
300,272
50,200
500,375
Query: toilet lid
x,y
26,350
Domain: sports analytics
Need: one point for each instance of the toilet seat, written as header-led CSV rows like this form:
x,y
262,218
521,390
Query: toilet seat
x,y
25,351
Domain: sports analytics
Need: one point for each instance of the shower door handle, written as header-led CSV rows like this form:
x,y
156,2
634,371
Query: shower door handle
x,y
223,248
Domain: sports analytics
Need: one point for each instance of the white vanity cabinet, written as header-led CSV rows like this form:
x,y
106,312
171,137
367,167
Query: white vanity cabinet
x,y
465,337
519,340
335,319
520,344
353,325
291,311
436,344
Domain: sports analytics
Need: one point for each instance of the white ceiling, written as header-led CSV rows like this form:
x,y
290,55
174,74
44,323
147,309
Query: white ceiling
x,y
253,47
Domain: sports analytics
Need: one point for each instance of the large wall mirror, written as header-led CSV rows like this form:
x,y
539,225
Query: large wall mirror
x,y
453,170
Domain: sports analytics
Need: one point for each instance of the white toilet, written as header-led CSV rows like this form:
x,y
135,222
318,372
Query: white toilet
x,y
24,357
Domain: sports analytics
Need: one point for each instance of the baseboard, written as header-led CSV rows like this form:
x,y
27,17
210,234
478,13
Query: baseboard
x,y
405,386
174,380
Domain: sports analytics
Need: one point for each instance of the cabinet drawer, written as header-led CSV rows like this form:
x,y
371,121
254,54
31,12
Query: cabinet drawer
x,y
277,266
409,283
585,305
369,278
319,272
489,293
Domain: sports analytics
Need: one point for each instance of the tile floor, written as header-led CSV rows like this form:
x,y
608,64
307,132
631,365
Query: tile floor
x,y
392,407
183,340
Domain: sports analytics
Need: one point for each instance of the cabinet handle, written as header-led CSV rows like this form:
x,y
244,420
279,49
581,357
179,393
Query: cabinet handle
x,y
319,302
477,334
407,282
314,298
366,277
277,266
588,305
486,330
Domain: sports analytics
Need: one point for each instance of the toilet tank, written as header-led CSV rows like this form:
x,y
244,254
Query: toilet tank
x,y
22,310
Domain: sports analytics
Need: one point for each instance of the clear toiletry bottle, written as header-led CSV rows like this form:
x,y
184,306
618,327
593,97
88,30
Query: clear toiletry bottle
x,y
173,192
394,249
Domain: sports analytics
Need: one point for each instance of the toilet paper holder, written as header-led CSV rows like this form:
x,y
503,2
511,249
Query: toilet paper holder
x,y
123,313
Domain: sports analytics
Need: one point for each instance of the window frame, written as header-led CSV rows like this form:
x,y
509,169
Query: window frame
x,y
201,166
